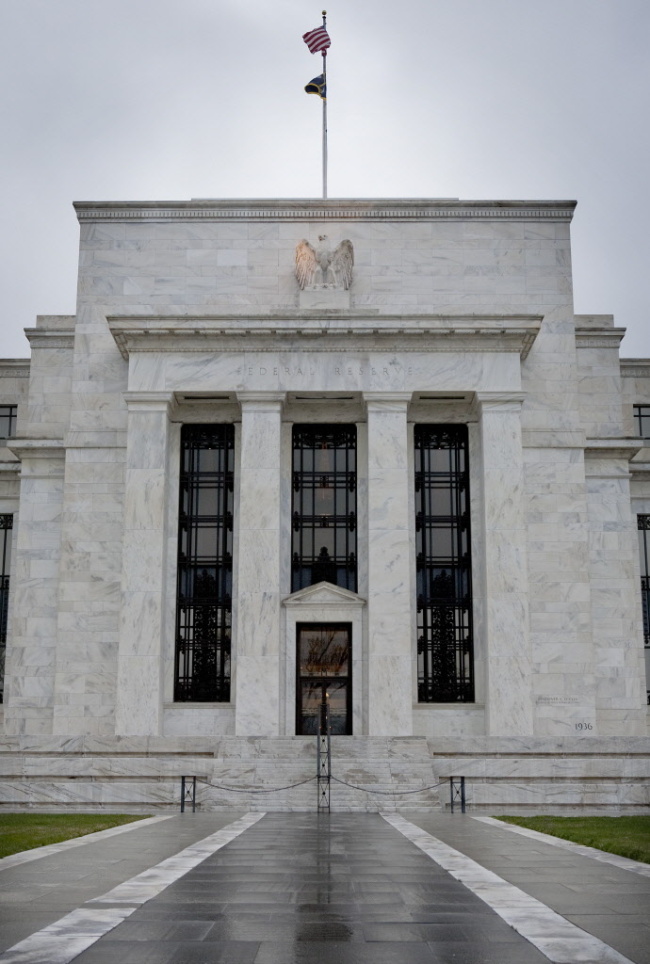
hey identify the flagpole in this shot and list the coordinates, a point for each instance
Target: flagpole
(325, 113)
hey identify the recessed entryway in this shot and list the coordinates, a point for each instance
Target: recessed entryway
(324, 674)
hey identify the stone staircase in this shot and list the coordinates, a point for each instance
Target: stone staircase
(502, 774)
(248, 772)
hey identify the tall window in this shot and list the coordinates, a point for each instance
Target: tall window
(204, 602)
(444, 594)
(642, 420)
(6, 526)
(324, 512)
(7, 422)
(643, 524)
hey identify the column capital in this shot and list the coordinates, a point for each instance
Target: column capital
(149, 401)
(499, 401)
(262, 401)
(36, 448)
(387, 401)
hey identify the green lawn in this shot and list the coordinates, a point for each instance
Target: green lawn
(625, 836)
(24, 831)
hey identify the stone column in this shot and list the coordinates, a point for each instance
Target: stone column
(139, 673)
(257, 642)
(509, 709)
(34, 581)
(391, 596)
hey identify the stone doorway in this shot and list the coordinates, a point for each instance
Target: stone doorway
(324, 671)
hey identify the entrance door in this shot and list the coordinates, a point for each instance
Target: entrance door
(324, 673)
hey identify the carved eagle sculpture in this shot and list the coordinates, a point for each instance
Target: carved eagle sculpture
(322, 266)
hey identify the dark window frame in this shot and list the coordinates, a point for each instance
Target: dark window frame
(6, 536)
(643, 526)
(324, 470)
(202, 663)
(8, 415)
(445, 647)
(642, 420)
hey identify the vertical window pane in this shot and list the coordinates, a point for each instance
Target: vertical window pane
(444, 596)
(642, 420)
(6, 527)
(204, 594)
(643, 524)
(7, 421)
(324, 511)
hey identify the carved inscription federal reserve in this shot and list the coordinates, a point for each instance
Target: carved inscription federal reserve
(309, 369)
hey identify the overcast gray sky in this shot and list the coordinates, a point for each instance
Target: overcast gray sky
(173, 99)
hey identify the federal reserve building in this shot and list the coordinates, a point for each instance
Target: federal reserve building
(359, 455)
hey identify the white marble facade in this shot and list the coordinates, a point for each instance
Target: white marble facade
(458, 312)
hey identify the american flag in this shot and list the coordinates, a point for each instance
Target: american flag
(317, 40)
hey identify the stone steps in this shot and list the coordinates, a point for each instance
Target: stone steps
(503, 774)
(392, 767)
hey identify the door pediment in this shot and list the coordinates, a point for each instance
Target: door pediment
(324, 594)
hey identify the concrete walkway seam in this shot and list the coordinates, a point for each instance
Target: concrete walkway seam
(623, 863)
(67, 938)
(554, 936)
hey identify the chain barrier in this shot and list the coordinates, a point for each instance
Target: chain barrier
(455, 789)
(389, 793)
(215, 786)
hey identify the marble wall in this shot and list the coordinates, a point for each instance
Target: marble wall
(459, 311)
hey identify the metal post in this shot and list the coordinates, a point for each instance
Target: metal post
(325, 113)
(457, 792)
(324, 756)
(188, 793)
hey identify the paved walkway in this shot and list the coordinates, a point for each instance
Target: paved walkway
(235, 888)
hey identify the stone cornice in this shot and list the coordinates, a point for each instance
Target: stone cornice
(635, 367)
(325, 332)
(599, 338)
(50, 338)
(640, 470)
(14, 367)
(340, 209)
(613, 448)
(36, 448)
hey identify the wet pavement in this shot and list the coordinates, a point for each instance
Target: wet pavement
(289, 888)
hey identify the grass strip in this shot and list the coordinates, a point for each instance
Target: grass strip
(625, 836)
(24, 831)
